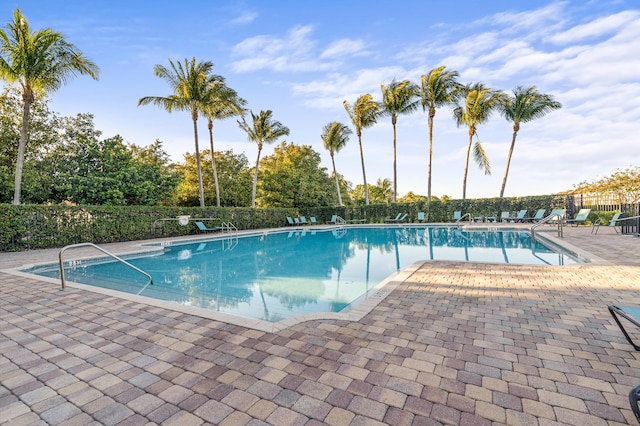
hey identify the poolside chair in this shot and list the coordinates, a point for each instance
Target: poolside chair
(613, 223)
(630, 314)
(303, 220)
(520, 216)
(290, 221)
(505, 217)
(395, 219)
(313, 220)
(457, 215)
(481, 218)
(421, 217)
(558, 215)
(334, 218)
(634, 397)
(538, 216)
(580, 218)
(201, 226)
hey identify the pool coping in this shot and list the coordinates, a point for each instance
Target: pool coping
(355, 311)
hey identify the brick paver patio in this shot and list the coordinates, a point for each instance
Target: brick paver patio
(455, 343)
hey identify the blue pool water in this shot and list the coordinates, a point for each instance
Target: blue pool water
(277, 275)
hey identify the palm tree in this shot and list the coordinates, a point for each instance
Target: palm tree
(334, 137)
(527, 104)
(190, 84)
(398, 98)
(437, 89)
(222, 102)
(264, 129)
(40, 62)
(363, 114)
(479, 104)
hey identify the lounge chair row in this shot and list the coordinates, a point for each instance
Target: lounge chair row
(557, 214)
(301, 220)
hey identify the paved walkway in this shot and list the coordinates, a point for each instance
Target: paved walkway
(455, 343)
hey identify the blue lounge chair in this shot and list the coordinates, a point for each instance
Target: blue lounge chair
(303, 220)
(557, 215)
(457, 215)
(538, 216)
(400, 218)
(313, 220)
(580, 218)
(520, 216)
(505, 217)
(421, 217)
(201, 226)
(630, 314)
(290, 221)
(395, 219)
(334, 218)
(613, 223)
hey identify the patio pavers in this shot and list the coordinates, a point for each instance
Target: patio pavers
(455, 343)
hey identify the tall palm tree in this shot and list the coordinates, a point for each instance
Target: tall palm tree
(363, 114)
(222, 102)
(437, 89)
(399, 97)
(264, 129)
(334, 137)
(526, 104)
(480, 102)
(40, 62)
(190, 83)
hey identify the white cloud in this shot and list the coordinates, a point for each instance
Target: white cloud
(344, 47)
(246, 17)
(597, 28)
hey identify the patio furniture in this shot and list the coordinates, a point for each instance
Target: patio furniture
(580, 218)
(629, 313)
(613, 223)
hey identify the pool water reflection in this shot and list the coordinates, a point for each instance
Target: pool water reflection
(277, 275)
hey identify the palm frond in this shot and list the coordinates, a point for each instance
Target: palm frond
(481, 159)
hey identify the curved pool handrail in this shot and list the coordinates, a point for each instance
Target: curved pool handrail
(545, 220)
(102, 250)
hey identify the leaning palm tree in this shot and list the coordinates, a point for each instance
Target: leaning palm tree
(480, 102)
(398, 98)
(190, 84)
(437, 89)
(40, 62)
(364, 113)
(222, 102)
(334, 137)
(527, 104)
(264, 129)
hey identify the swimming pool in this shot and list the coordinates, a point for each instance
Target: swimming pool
(276, 275)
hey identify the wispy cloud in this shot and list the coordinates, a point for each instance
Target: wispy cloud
(344, 47)
(600, 27)
(246, 17)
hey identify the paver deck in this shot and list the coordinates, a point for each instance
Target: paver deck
(455, 343)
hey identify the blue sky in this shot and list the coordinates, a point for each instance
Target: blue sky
(301, 59)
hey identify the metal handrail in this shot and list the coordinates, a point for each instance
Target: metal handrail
(229, 227)
(340, 220)
(462, 217)
(545, 220)
(102, 250)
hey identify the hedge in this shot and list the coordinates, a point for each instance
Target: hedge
(27, 227)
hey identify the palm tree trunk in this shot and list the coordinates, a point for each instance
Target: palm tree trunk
(335, 174)
(22, 146)
(506, 172)
(255, 179)
(466, 167)
(395, 172)
(213, 164)
(364, 175)
(429, 166)
(194, 115)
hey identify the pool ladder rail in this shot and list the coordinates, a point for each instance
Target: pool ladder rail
(60, 258)
(546, 220)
